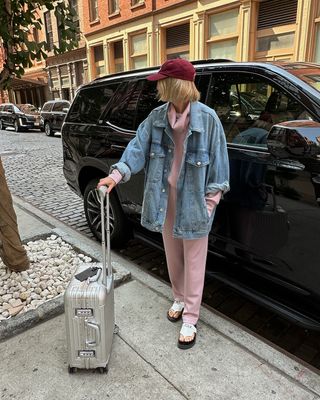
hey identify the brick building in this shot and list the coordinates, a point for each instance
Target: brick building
(127, 34)
(56, 77)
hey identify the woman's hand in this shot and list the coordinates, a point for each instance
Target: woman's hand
(109, 182)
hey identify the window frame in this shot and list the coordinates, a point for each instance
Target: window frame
(132, 55)
(264, 79)
(225, 37)
(113, 7)
(179, 49)
(49, 33)
(93, 10)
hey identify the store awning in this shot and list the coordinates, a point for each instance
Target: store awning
(17, 84)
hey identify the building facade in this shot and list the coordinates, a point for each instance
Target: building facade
(58, 76)
(127, 34)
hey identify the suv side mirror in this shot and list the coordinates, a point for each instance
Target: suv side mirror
(294, 138)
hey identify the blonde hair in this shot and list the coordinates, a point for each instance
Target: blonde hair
(174, 90)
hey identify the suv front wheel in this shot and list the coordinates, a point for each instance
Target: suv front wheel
(119, 233)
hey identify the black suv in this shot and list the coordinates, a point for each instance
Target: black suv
(17, 116)
(52, 115)
(265, 238)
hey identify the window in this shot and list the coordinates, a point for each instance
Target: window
(75, 18)
(132, 103)
(90, 103)
(49, 33)
(248, 106)
(46, 107)
(116, 56)
(35, 35)
(223, 35)
(275, 42)
(178, 42)
(99, 61)
(60, 105)
(113, 6)
(138, 51)
(276, 30)
(93, 10)
(136, 2)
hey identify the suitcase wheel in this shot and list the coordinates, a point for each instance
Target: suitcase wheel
(103, 370)
(72, 370)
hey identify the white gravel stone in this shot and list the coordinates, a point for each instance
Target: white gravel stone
(52, 265)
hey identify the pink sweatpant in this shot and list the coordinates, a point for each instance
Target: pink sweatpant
(186, 260)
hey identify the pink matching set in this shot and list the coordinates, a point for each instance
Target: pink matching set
(186, 259)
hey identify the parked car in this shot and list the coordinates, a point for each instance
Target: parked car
(52, 115)
(19, 116)
(265, 238)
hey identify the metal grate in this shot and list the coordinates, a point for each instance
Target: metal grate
(277, 12)
(178, 36)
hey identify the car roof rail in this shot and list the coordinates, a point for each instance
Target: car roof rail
(211, 60)
(195, 62)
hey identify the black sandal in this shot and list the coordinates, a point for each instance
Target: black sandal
(177, 307)
(187, 330)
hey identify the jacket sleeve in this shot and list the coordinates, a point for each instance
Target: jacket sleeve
(218, 171)
(136, 153)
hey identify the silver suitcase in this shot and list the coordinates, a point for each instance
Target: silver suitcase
(89, 308)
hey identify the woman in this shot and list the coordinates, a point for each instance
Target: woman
(181, 145)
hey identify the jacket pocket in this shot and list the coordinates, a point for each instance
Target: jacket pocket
(155, 163)
(196, 168)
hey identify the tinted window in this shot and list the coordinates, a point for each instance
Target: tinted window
(59, 106)
(248, 106)
(90, 103)
(8, 108)
(1, 108)
(132, 103)
(46, 107)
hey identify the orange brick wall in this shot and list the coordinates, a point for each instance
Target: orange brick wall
(161, 4)
(126, 13)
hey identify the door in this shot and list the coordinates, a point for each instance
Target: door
(58, 114)
(270, 219)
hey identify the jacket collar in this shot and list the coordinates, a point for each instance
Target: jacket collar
(196, 122)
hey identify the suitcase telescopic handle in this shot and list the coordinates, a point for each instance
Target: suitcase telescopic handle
(105, 195)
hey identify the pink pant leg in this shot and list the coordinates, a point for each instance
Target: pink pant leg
(195, 256)
(174, 250)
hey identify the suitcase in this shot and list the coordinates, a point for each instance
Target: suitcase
(89, 308)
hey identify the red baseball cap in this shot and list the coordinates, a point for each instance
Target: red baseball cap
(176, 68)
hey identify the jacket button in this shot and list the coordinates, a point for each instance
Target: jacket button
(169, 150)
(152, 154)
(163, 190)
(161, 209)
(199, 163)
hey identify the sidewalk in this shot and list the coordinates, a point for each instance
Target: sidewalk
(227, 362)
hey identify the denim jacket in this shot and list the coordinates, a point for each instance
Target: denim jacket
(205, 169)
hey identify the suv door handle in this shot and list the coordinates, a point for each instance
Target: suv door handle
(116, 147)
(290, 164)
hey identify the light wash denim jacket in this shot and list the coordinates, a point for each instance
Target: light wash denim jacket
(205, 169)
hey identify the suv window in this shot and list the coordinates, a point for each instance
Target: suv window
(248, 106)
(1, 108)
(60, 105)
(132, 103)
(90, 103)
(46, 107)
(8, 108)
